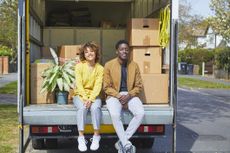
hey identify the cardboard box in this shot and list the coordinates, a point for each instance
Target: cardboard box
(143, 32)
(36, 85)
(68, 52)
(149, 59)
(40, 98)
(155, 89)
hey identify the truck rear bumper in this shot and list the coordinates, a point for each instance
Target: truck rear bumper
(53, 114)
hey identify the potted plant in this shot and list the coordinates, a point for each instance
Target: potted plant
(59, 78)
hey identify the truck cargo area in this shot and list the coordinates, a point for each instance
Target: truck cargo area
(53, 114)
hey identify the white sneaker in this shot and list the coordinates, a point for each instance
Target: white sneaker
(82, 144)
(121, 149)
(130, 149)
(95, 142)
(118, 145)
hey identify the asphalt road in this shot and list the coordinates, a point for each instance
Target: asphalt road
(203, 125)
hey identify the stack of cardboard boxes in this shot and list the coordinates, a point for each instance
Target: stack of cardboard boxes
(146, 52)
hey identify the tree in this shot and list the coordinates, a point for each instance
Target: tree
(187, 24)
(222, 59)
(221, 21)
(8, 23)
(196, 56)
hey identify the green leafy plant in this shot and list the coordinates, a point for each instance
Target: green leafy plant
(222, 59)
(59, 77)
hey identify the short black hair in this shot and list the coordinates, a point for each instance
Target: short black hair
(121, 42)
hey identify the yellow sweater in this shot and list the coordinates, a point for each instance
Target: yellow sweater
(88, 83)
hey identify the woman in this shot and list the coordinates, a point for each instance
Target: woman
(89, 75)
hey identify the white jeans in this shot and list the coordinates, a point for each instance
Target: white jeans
(135, 106)
(82, 111)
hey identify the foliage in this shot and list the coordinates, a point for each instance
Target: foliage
(195, 56)
(222, 58)
(8, 23)
(60, 77)
(221, 21)
(195, 83)
(6, 51)
(10, 88)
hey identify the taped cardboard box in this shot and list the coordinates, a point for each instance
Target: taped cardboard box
(149, 59)
(143, 32)
(68, 52)
(36, 84)
(155, 89)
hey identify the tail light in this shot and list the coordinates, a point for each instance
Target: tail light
(156, 129)
(44, 129)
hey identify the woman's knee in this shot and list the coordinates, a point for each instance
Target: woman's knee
(95, 109)
(96, 106)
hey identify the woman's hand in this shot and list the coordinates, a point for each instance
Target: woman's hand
(88, 104)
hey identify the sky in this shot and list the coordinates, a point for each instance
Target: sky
(200, 7)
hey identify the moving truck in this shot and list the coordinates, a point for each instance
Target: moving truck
(54, 23)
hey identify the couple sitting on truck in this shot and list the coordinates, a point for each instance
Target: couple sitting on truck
(121, 82)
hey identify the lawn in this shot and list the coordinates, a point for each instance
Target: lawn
(10, 88)
(195, 83)
(9, 131)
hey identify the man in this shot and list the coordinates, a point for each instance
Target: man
(122, 84)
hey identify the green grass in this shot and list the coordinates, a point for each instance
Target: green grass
(195, 83)
(9, 128)
(10, 88)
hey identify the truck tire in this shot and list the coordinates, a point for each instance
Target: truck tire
(145, 143)
(51, 143)
(38, 143)
(108, 145)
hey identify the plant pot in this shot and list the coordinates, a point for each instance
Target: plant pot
(62, 97)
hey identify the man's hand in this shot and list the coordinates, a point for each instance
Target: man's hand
(88, 104)
(124, 99)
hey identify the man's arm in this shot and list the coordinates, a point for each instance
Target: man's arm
(138, 84)
(107, 83)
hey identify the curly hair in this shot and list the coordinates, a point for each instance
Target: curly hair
(93, 45)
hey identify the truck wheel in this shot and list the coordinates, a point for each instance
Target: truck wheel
(51, 143)
(108, 145)
(143, 142)
(38, 143)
